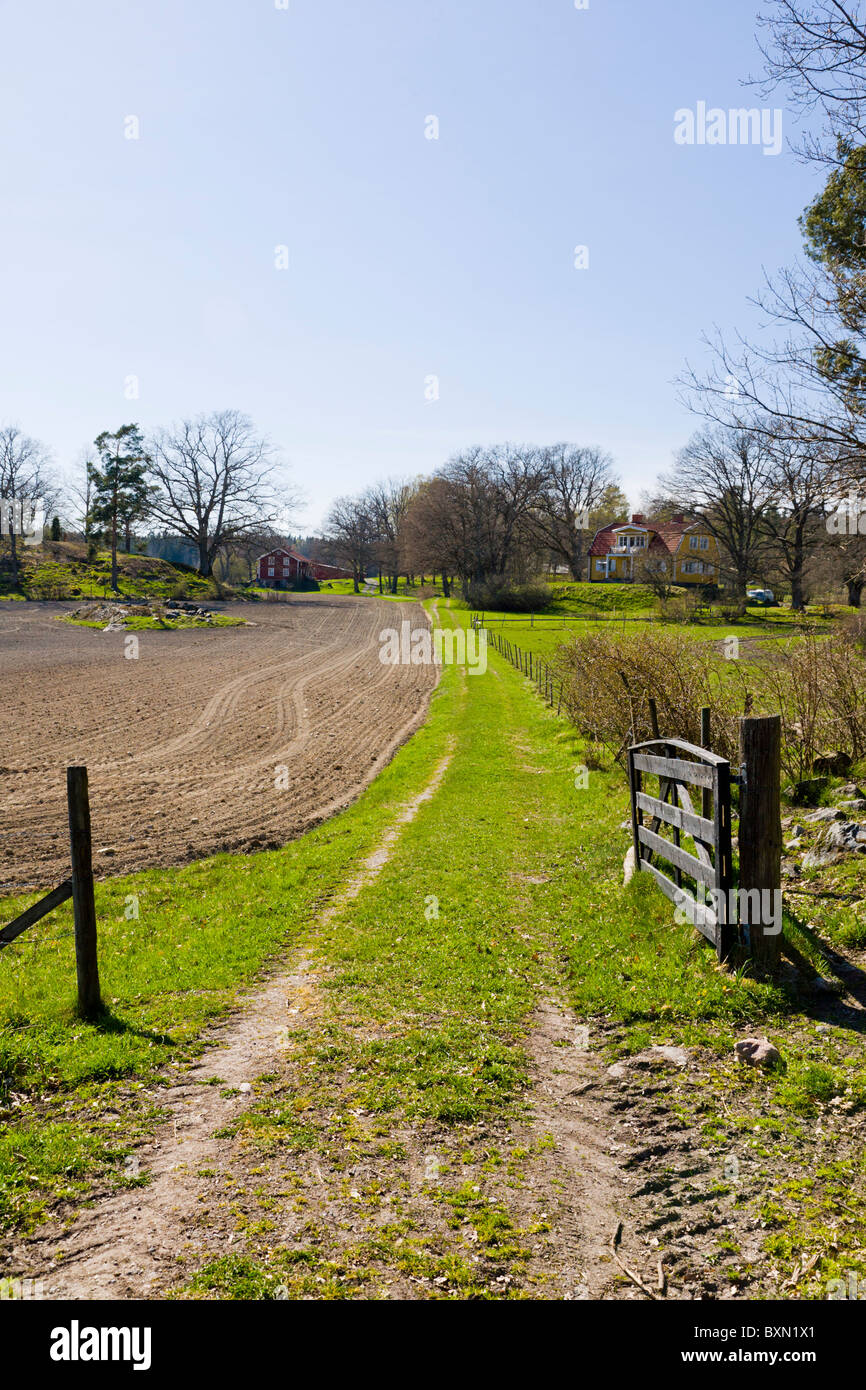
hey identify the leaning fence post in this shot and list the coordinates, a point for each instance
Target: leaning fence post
(760, 838)
(86, 963)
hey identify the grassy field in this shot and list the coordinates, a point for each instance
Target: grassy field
(506, 885)
(542, 638)
(61, 570)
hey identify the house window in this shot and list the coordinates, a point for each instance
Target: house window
(271, 571)
(599, 566)
(699, 542)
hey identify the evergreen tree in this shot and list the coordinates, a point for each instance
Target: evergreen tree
(121, 492)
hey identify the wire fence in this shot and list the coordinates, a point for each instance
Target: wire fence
(550, 622)
(535, 668)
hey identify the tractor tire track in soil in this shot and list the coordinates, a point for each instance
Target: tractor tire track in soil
(183, 745)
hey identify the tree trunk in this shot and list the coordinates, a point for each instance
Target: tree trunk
(13, 542)
(114, 552)
(798, 597)
(204, 560)
(446, 586)
(855, 590)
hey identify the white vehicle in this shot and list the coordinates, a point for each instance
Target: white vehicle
(761, 596)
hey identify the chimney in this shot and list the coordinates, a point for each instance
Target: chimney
(679, 519)
(637, 519)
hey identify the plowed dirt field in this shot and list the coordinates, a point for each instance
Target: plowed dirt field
(228, 739)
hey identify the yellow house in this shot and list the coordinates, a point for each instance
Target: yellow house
(683, 550)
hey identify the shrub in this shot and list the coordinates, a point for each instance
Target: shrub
(673, 610)
(608, 679)
(502, 595)
(816, 684)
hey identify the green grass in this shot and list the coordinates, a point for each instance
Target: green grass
(451, 992)
(61, 570)
(142, 624)
(507, 885)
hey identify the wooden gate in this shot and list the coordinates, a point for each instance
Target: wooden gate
(707, 828)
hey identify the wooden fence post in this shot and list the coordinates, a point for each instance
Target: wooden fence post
(86, 963)
(760, 838)
(706, 794)
(654, 716)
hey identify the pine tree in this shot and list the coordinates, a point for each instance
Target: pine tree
(121, 492)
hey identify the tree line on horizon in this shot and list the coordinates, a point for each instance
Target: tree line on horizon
(778, 458)
(490, 520)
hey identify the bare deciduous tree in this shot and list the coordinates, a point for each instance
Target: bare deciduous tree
(574, 481)
(723, 478)
(386, 505)
(816, 49)
(217, 480)
(25, 477)
(349, 527)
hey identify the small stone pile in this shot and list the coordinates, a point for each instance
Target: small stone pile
(114, 615)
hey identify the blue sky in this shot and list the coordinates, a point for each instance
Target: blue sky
(408, 258)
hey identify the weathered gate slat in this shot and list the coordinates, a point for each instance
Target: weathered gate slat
(686, 803)
(680, 858)
(684, 820)
(704, 917)
(697, 774)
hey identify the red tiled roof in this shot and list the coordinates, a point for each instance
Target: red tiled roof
(281, 550)
(665, 537)
(672, 532)
(603, 539)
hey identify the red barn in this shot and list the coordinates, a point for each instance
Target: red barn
(330, 572)
(282, 567)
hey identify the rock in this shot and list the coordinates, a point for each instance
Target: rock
(821, 985)
(832, 764)
(109, 849)
(656, 1056)
(827, 813)
(244, 1087)
(758, 1052)
(806, 793)
(858, 804)
(628, 868)
(838, 840)
(679, 1056)
(849, 789)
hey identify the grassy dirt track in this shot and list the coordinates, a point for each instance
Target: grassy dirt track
(440, 1080)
